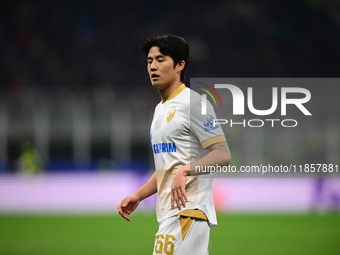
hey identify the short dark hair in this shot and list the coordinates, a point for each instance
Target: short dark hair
(169, 45)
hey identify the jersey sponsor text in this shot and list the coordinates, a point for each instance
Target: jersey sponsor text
(164, 147)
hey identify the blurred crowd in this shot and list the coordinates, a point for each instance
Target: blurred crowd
(58, 49)
(79, 46)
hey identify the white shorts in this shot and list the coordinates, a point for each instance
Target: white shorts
(180, 235)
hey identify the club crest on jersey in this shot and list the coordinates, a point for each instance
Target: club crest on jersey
(210, 125)
(171, 113)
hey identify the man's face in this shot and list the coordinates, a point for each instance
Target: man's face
(161, 69)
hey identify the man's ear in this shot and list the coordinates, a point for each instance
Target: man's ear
(180, 65)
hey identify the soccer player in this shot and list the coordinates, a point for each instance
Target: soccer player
(180, 142)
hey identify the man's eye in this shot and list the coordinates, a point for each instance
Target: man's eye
(160, 60)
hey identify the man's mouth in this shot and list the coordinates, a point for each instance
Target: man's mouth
(154, 76)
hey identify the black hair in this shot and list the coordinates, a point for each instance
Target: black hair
(169, 45)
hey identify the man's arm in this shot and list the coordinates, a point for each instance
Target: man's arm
(219, 154)
(130, 203)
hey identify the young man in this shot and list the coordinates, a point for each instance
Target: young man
(185, 208)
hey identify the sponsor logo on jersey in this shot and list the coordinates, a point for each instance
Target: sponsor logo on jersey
(210, 125)
(164, 148)
(171, 113)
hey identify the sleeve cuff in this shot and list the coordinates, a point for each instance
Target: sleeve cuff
(213, 140)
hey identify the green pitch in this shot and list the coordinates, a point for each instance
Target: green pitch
(106, 234)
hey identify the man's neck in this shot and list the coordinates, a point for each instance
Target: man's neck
(166, 93)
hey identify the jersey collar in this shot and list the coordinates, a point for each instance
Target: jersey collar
(176, 92)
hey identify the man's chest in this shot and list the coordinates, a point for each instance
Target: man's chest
(169, 122)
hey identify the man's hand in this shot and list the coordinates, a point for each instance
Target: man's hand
(128, 205)
(178, 193)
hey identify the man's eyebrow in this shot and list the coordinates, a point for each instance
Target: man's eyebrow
(158, 56)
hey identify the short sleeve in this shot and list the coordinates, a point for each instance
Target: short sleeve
(203, 126)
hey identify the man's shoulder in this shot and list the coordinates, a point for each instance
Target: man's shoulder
(157, 107)
(190, 97)
(195, 98)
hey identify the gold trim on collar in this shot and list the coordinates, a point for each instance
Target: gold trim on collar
(176, 92)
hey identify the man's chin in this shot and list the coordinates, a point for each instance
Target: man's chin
(156, 84)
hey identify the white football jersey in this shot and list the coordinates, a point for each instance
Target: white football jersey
(179, 135)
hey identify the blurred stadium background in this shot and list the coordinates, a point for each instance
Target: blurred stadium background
(76, 105)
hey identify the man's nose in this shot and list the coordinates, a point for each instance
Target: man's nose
(153, 66)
